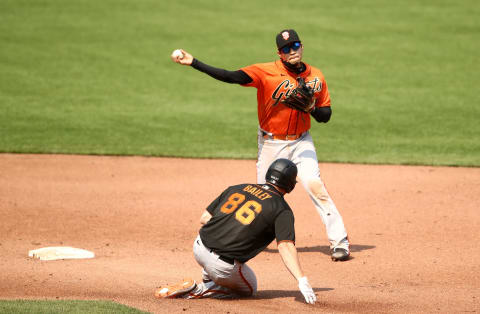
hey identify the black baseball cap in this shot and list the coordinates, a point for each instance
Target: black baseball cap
(286, 37)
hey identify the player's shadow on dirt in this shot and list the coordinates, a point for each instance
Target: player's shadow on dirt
(325, 249)
(275, 294)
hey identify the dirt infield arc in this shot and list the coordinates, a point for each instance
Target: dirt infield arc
(414, 234)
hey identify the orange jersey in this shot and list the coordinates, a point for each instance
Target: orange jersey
(274, 82)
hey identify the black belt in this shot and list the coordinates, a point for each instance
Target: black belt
(228, 260)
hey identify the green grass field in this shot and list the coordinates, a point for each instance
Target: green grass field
(72, 307)
(94, 77)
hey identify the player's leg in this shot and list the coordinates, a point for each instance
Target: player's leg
(305, 157)
(241, 282)
(209, 289)
(188, 288)
(221, 279)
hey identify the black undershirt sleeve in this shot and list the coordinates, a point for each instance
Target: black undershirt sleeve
(234, 77)
(322, 114)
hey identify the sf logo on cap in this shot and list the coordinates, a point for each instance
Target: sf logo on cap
(285, 35)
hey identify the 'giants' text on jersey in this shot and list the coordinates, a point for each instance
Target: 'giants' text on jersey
(286, 87)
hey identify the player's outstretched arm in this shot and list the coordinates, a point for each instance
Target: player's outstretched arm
(180, 56)
(289, 255)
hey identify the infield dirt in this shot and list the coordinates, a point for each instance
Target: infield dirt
(414, 234)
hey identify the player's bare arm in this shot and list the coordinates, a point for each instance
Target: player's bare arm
(205, 217)
(289, 255)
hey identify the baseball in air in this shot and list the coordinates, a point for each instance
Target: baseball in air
(177, 54)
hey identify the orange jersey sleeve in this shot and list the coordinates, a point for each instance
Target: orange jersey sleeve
(274, 82)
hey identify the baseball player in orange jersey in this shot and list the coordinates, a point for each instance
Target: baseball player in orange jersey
(284, 132)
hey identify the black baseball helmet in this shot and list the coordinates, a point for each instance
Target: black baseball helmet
(282, 173)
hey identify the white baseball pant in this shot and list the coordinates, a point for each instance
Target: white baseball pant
(302, 152)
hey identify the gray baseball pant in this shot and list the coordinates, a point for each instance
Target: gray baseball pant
(221, 279)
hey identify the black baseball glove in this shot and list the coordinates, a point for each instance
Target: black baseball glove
(301, 98)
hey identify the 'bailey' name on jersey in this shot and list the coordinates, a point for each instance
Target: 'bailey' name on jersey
(257, 192)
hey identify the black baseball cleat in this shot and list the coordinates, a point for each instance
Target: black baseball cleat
(340, 254)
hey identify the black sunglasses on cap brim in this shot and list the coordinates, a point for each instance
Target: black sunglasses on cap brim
(293, 46)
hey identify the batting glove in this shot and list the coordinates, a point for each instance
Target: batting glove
(306, 290)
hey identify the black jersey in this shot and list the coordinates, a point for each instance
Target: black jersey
(246, 218)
